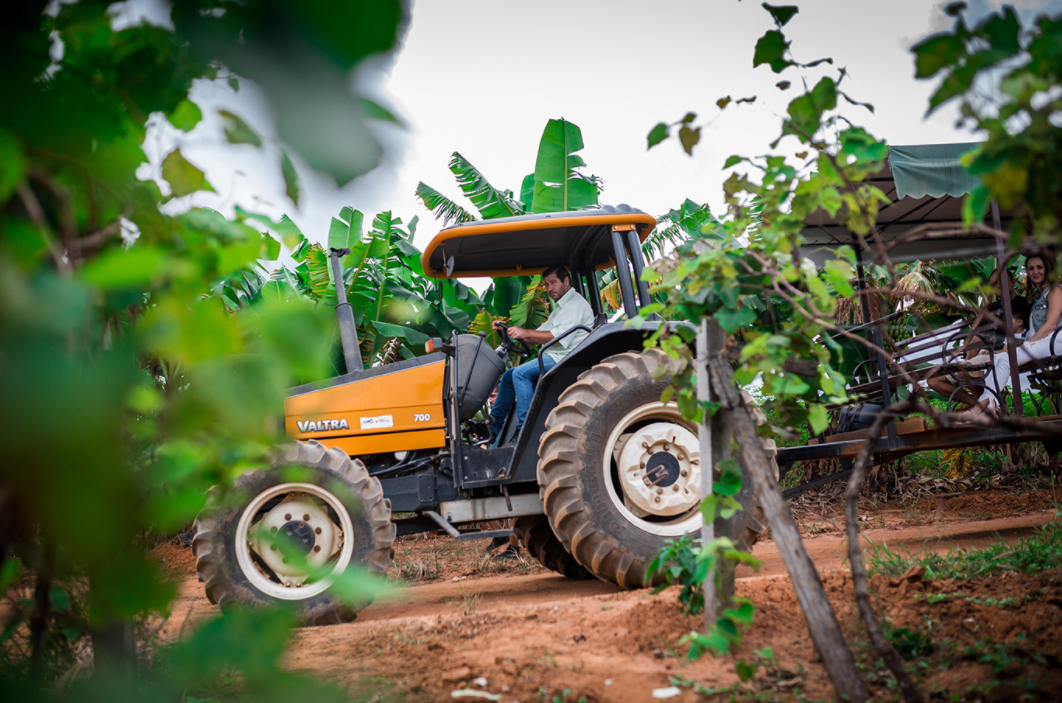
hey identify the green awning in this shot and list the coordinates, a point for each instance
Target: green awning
(931, 169)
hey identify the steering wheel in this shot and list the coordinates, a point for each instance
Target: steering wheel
(516, 346)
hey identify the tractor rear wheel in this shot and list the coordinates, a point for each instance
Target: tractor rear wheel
(327, 507)
(621, 471)
(538, 539)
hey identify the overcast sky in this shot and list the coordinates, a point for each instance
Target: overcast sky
(482, 77)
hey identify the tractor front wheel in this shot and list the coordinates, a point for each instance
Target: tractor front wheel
(292, 530)
(620, 471)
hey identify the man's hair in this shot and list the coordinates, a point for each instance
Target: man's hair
(558, 271)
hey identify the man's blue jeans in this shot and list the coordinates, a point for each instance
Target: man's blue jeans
(517, 383)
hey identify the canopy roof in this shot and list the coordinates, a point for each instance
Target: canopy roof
(924, 183)
(529, 244)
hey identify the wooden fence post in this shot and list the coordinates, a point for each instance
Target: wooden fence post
(818, 613)
(704, 435)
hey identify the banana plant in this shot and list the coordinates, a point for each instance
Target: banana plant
(556, 185)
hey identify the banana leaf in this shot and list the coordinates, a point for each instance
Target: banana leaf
(491, 202)
(442, 207)
(559, 187)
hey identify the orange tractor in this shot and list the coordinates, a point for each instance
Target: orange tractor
(601, 475)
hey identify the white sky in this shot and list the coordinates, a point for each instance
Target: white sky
(482, 77)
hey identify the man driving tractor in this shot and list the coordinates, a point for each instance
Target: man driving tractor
(571, 309)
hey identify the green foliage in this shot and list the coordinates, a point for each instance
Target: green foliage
(909, 644)
(148, 351)
(685, 561)
(559, 184)
(1037, 553)
(1006, 78)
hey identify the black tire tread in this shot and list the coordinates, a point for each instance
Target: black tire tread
(538, 539)
(209, 544)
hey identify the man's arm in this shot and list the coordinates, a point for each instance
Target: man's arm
(531, 336)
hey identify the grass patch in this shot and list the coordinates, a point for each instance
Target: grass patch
(1041, 551)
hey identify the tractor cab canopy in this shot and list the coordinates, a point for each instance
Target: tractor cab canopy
(583, 241)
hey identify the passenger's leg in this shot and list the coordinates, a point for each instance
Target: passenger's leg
(945, 388)
(503, 403)
(525, 376)
(999, 378)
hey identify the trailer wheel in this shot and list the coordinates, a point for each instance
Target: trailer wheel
(319, 498)
(538, 539)
(621, 471)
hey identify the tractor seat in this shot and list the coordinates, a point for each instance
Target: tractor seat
(600, 319)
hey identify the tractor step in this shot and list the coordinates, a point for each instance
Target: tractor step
(456, 534)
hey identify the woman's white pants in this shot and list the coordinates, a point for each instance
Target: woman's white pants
(1000, 379)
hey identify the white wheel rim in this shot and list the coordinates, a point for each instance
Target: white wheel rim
(300, 500)
(675, 525)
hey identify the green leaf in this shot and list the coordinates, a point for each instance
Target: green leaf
(770, 49)
(806, 111)
(689, 138)
(781, 13)
(936, 53)
(289, 233)
(657, 134)
(270, 248)
(558, 186)
(123, 268)
(345, 231)
(975, 205)
(857, 142)
(729, 481)
(745, 670)
(376, 111)
(13, 164)
(442, 207)
(527, 192)
(183, 177)
(235, 256)
(234, 83)
(818, 417)
(491, 202)
(733, 320)
(185, 116)
(237, 131)
(401, 332)
(733, 161)
(291, 178)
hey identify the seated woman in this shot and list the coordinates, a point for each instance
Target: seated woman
(1046, 316)
(958, 382)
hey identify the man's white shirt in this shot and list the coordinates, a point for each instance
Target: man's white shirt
(571, 310)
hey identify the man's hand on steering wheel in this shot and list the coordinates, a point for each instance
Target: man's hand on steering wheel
(517, 346)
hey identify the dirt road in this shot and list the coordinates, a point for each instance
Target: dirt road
(535, 635)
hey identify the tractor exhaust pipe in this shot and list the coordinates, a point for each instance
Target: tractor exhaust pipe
(348, 331)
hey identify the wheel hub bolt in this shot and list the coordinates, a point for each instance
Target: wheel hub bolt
(659, 490)
(674, 487)
(317, 530)
(681, 456)
(643, 465)
(273, 529)
(306, 517)
(657, 499)
(647, 481)
(316, 547)
(288, 516)
(684, 473)
(667, 447)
